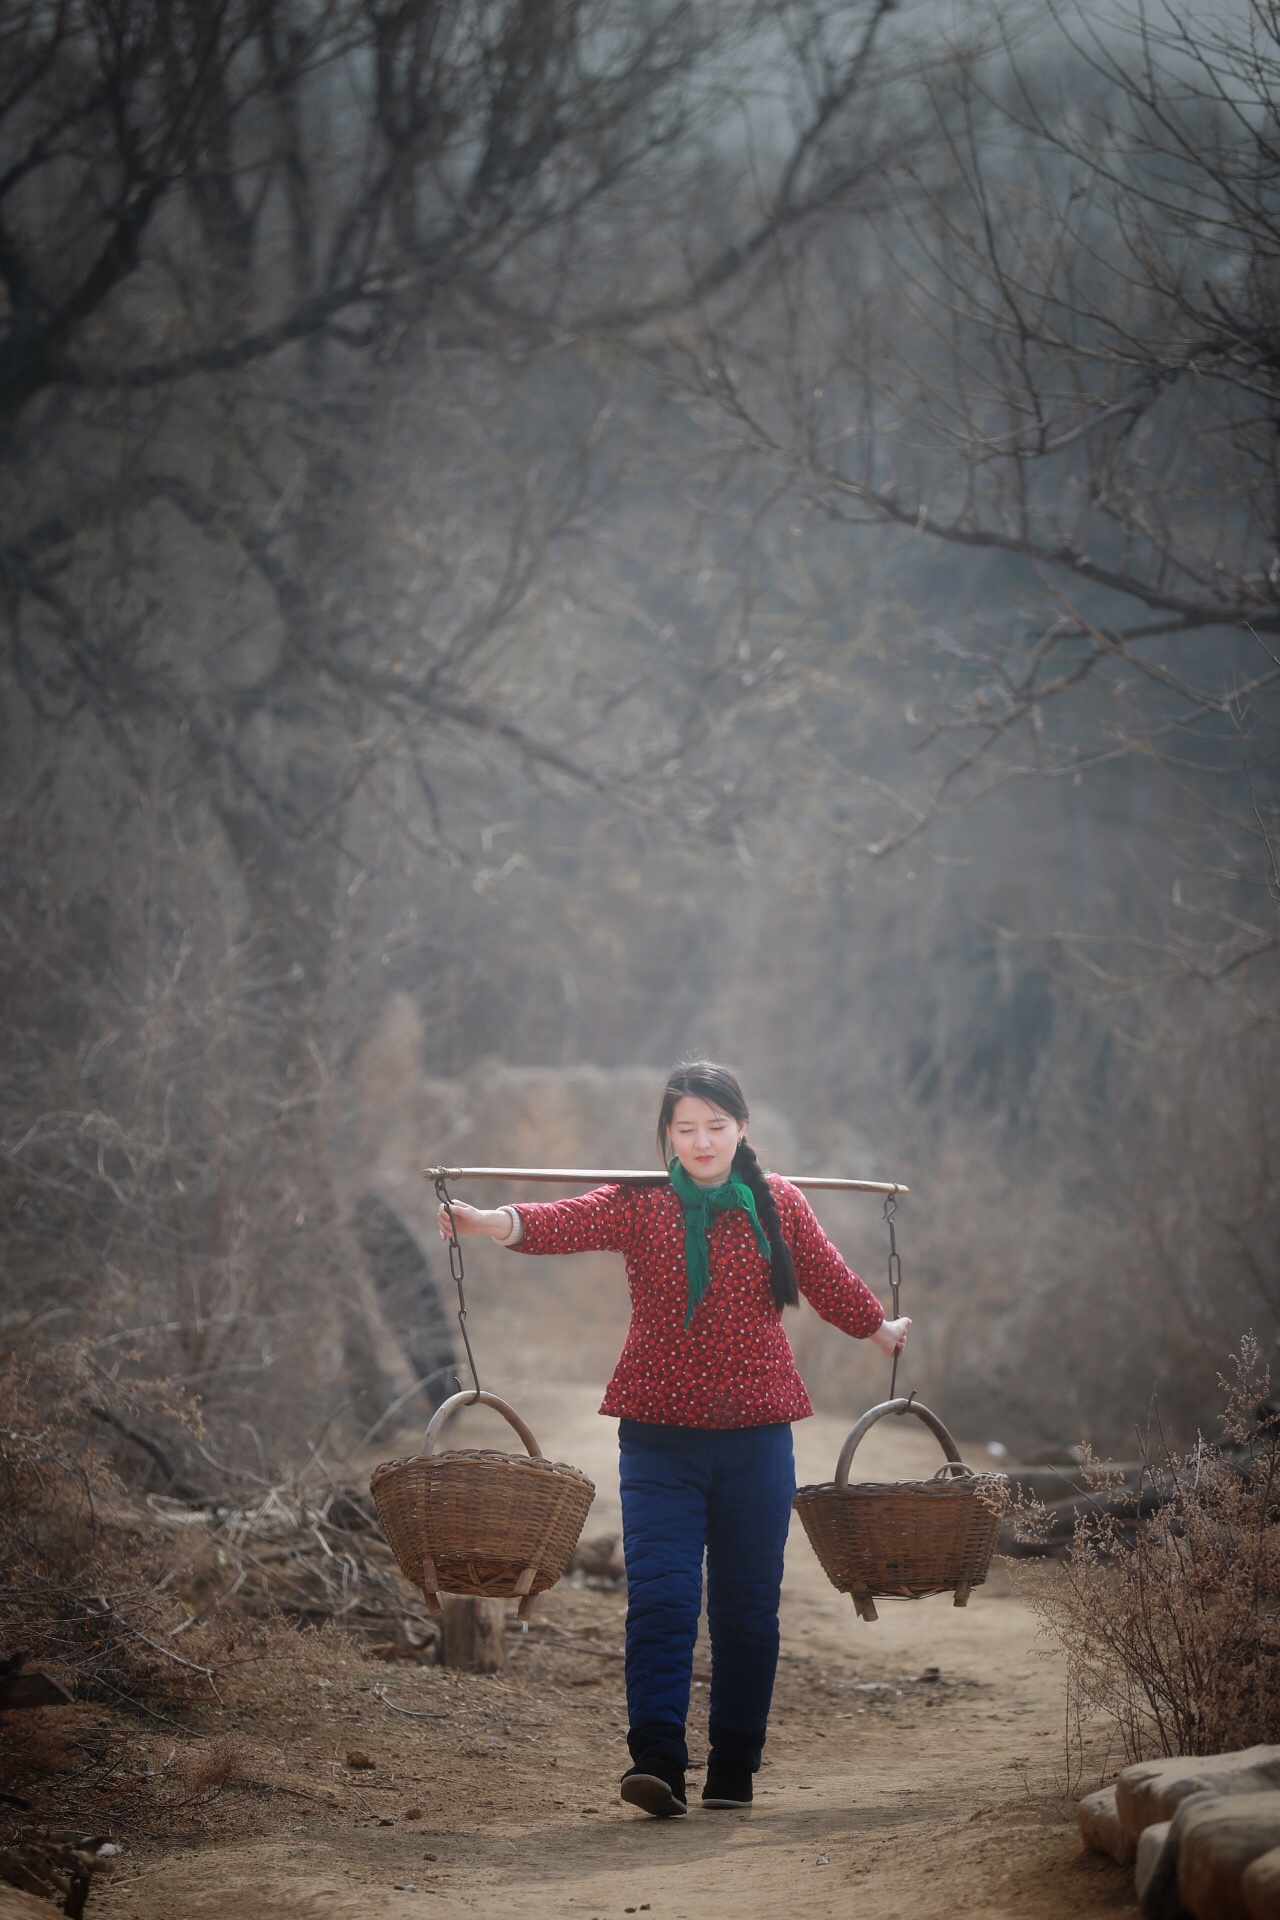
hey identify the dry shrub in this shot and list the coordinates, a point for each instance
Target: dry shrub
(1171, 1625)
(79, 1566)
(206, 1769)
(42, 1743)
(103, 1590)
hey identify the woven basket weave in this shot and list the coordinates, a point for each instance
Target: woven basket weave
(908, 1538)
(501, 1525)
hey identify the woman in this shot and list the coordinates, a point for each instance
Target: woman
(705, 1391)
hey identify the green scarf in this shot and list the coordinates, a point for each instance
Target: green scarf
(700, 1204)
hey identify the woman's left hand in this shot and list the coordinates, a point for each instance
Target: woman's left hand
(891, 1335)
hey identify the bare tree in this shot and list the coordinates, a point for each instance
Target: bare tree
(219, 225)
(305, 384)
(1055, 362)
(229, 238)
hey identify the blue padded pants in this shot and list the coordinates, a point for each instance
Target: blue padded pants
(686, 1491)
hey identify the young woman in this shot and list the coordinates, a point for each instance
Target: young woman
(705, 1391)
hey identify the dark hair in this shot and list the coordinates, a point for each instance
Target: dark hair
(720, 1087)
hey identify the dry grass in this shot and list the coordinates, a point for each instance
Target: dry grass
(147, 1598)
(214, 1765)
(80, 1573)
(185, 1632)
(1171, 1628)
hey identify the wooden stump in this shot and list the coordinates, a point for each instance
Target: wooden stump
(473, 1637)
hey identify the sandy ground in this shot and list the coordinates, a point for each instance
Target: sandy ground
(916, 1767)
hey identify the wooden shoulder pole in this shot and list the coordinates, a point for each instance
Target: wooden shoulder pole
(633, 1176)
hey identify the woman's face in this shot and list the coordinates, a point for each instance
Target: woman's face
(704, 1139)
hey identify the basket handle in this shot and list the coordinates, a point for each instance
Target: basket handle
(909, 1405)
(469, 1399)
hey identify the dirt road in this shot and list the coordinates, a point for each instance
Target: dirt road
(915, 1767)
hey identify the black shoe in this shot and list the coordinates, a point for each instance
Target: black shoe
(727, 1787)
(656, 1785)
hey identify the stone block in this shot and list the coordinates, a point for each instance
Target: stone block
(1220, 1837)
(1152, 1790)
(1151, 1848)
(1156, 1870)
(15, 1905)
(1260, 1886)
(1100, 1829)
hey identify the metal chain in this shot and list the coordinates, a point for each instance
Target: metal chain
(455, 1268)
(895, 1278)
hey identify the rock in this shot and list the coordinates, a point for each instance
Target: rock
(1219, 1839)
(1156, 1872)
(600, 1558)
(1152, 1790)
(23, 1906)
(1151, 1845)
(1100, 1829)
(1260, 1886)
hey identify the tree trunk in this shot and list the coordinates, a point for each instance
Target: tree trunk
(474, 1634)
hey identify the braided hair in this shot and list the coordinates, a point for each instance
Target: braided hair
(719, 1087)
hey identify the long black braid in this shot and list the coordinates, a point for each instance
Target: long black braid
(782, 1268)
(721, 1088)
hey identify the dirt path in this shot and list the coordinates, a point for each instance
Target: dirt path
(915, 1768)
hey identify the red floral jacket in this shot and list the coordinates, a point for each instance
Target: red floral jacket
(734, 1366)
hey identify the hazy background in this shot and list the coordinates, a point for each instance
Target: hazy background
(541, 540)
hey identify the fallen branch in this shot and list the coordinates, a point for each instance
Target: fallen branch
(544, 1634)
(210, 1606)
(410, 1713)
(297, 1793)
(151, 1712)
(579, 1646)
(182, 1488)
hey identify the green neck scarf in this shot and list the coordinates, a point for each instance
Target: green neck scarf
(700, 1205)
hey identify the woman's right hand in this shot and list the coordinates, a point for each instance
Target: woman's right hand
(493, 1221)
(891, 1335)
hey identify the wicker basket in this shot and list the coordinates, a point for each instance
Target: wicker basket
(497, 1524)
(909, 1538)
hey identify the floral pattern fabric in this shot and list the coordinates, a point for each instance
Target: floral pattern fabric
(733, 1367)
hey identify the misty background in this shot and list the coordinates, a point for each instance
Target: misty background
(545, 538)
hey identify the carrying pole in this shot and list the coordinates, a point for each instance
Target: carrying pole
(631, 1176)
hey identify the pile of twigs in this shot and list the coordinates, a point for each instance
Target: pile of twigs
(307, 1550)
(147, 1598)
